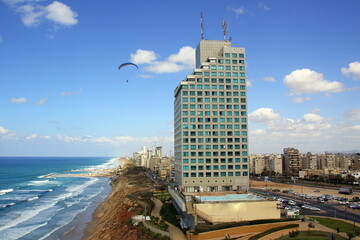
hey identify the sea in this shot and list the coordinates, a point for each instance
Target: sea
(35, 203)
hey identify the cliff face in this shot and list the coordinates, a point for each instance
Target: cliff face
(112, 219)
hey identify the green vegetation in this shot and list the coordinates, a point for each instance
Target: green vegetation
(163, 196)
(310, 235)
(338, 225)
(168, 213)
(207, 228)
(151, 234)
(260, 235)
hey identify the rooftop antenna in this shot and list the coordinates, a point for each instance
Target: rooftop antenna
(224, 26)
(202, 25)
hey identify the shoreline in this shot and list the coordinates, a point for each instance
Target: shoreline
(112, 218)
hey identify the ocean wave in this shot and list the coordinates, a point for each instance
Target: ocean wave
(32, 198)
(2, 206)
(5, 191)
(42, 182)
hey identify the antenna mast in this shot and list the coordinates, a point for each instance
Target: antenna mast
(224, 26)
(202, 26)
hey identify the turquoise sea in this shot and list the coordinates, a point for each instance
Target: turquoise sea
(34, 206)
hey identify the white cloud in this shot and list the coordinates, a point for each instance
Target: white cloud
(3, 130)
(308, 81)
(301, 99)
(269, 79)
(18, 100)
(37, 137)
(145, 76)
(356, 127)
(164, 67)
(42, 102)
(353, 115)
(186, 56)
(239, 11)
(353, 70)
(248, 83)
(143, 56)
(64, 94)
(262, 6)
(259, 132)
(263, 115)
(32, 12)
(312, 132)
(184, 59)
(312, 117)
(61, 13)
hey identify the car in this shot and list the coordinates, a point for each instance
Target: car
(343, 202)
(356, 199)
(320, 200)
(317, 190)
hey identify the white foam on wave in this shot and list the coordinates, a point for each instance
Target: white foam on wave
(42, 182)
(6, 205)
(110, 164)
(32, 199)
(5, 191)
(26, 215)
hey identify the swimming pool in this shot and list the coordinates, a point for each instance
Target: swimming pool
(229, 197)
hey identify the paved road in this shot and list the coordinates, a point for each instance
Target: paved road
(328, 209)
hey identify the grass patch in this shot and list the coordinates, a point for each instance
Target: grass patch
(311, 235)
(337, 224)
(260, 235)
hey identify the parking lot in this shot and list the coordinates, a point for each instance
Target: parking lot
(300, 200)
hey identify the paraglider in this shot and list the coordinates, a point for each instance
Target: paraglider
(127, 64)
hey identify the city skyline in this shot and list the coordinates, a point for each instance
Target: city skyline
(62, 95)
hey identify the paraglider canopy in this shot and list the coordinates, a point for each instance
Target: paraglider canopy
(127, 64)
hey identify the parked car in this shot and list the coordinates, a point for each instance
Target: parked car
(343, 202)
(321, 200)
(317, 190)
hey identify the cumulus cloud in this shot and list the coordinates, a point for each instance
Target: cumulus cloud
(3, 130)
(42, 102)
(263, 115)
(353, 115)
(18, 100)
(269, 79)
(33, 12)
(312, 117)
(306, 81)
(143, 56)
(353, 70)
(184, 59)
(312, 132)
(301, 99)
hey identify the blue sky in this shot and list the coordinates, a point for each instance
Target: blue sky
(62, 95)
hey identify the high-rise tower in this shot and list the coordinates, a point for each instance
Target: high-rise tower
(210, 118)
